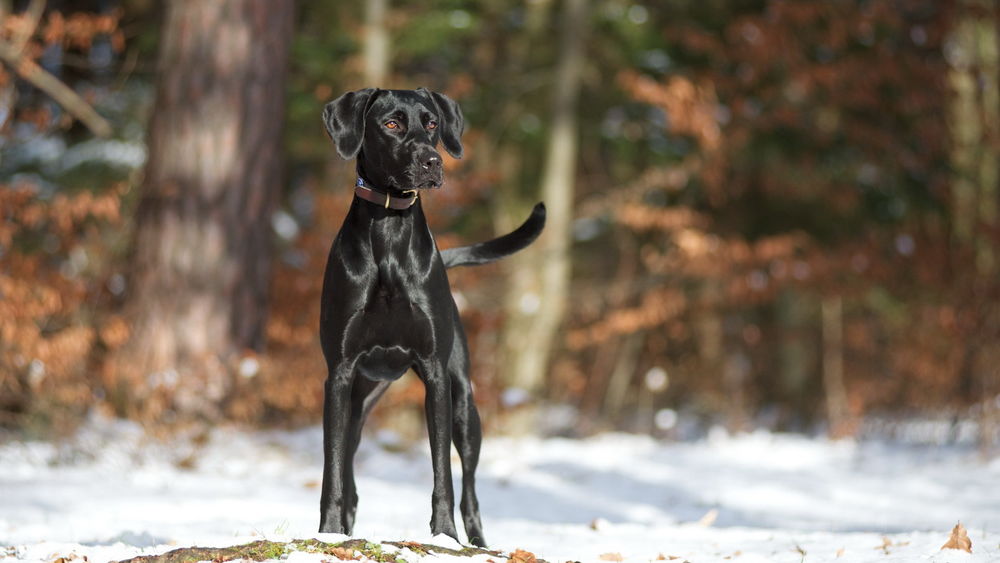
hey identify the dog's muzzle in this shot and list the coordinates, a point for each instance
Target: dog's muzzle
(427, 170)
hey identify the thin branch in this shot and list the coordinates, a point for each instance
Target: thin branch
(55, 88)
(670, 178)
(33, 15)
(12, 53)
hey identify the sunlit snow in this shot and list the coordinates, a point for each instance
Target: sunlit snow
(113, 493)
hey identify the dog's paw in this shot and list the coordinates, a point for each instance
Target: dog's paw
(333, 526)
(476, 539)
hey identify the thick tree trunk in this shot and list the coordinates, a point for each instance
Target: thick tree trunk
(542, 288)
(201, 266)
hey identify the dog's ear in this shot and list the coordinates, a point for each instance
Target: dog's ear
(345, 121)
(451, 122)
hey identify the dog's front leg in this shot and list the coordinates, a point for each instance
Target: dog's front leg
(336, 444)
(437, 405)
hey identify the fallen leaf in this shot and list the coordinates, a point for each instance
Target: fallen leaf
(886, 544)
(344, 554)
(959, 539)
(660, 557)
(709, 518)
(612, 557)
(522, 556)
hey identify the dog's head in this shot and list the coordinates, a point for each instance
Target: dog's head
(393, 133)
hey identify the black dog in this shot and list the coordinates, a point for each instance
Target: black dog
(387, 305)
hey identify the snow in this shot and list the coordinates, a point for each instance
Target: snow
(113, 493)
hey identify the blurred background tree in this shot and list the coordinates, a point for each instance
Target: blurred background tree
(200, 265)
(764, 213)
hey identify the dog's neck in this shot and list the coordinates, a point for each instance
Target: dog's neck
(385, 234)
(385, 198)
(365, 180)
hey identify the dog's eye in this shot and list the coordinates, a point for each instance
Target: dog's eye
(432, 124)
(391, 125)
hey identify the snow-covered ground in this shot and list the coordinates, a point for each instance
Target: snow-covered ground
(113, 493)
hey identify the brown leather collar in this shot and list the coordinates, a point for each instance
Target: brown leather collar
(385, 200)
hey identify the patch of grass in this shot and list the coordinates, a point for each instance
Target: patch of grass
(256, 551)
(415, 547)
(374, 551)
(310, 545)
(263, 550)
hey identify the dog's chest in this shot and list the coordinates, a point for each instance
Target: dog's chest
(391, 295)
(385, 286)
(395, 310)
(391, 330)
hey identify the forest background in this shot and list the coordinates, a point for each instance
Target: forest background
(762, 214)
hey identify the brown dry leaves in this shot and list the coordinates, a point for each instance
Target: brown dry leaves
(522, 556)
(47, 325)
(669, 219)
(959, 539)
(657, 307)
(79, 29)
(69, 558)
(75, 31)
(691, 106)
(345, 554)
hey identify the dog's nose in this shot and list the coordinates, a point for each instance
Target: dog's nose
(431, 161)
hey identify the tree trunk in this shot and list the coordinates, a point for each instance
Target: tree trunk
(975, 126)
(622, 375)
(531, 327)
(376, 45)
(797, 358)
(198, 290)
(837, 411)
(975, 140)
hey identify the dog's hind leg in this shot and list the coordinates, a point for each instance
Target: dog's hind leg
(336, 442)
(364, 394)
(437, 407)
(468, 436)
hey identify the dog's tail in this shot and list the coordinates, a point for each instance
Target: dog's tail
(492, 250)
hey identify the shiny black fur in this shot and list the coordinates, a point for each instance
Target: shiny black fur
(387, 305)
